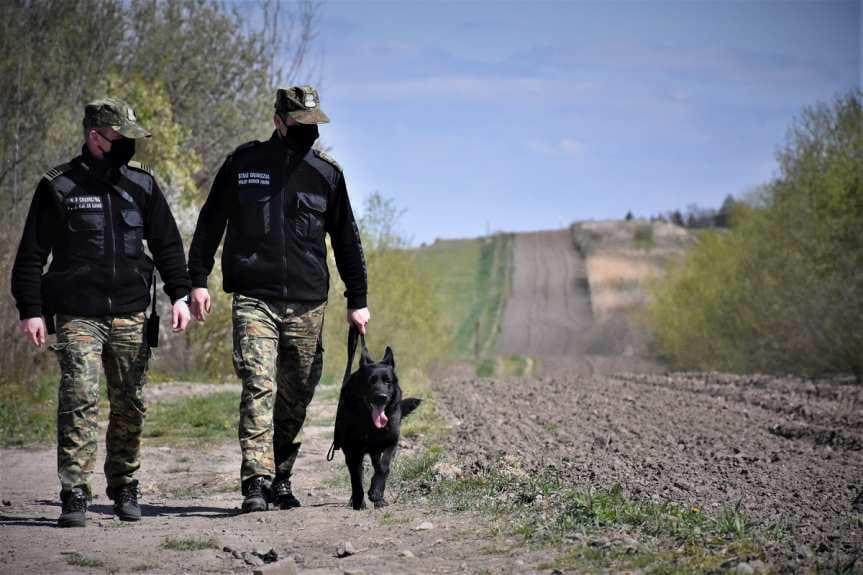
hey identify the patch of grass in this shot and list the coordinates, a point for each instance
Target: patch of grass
(417, 468)
(657, 558)
(143, 568)
(506, 366)
(77, 560)
(214, 416)
(473, 278)
(28, 413)
(189, 543)
(545, 509)
(642, 237)
(486, 367)
(327, 393)
(390, 518)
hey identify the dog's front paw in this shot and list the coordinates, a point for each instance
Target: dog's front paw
(381, 503)
(357, 503)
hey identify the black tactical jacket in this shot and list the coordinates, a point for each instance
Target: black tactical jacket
(278, 200)
(92, 219)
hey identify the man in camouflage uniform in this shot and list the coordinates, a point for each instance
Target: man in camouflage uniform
(278, 199)
(91, 216)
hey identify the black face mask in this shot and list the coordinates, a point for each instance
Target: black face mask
(301, 136)
(121, 152)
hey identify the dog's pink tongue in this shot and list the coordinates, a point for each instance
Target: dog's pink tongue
(379, 418)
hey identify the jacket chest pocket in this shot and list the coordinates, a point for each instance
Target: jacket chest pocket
(87, 230)
(310, 217)
(133, 233)
(255, 212)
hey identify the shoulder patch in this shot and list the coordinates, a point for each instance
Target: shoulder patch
(325, 157)
(57, 171)
(139, 166)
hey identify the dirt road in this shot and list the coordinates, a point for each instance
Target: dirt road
(548, 312)
(191, 493)
(548, 315)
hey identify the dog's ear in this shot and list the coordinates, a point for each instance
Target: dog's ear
(365, 358)
(388, 358)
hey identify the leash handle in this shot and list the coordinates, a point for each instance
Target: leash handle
(353, 332)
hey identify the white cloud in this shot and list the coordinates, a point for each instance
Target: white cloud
(571, 147)
(565, 147)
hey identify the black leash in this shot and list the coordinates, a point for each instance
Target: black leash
(353, 334)
(153, 320)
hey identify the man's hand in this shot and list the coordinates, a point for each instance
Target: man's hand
(200, 303)
(359, 317)
(33, 329)
(180, 316)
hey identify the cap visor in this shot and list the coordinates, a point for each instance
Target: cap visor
(309, 116)
(132, 130)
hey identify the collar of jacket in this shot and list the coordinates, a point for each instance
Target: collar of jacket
(99, 168)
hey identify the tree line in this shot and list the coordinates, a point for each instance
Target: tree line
(782, 290)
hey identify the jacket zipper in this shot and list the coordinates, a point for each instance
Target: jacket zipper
(110, 227)
(284, 239)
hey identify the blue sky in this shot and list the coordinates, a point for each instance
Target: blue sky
(484, 116)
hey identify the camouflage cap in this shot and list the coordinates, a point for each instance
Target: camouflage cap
(300, 103)
(114, 113)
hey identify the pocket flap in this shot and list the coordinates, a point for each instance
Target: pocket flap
(133, 218)
(251, 196)
(314, 202)
(83, 221)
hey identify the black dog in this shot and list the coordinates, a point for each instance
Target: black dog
(368, 420)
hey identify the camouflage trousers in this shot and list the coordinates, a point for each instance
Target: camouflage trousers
(83, 344)
(277, 347)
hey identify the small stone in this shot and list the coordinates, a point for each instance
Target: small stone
(407, 554)
(7, 503)
(236, 554)
(284, 567)
(344, 549)
(424, 526)
(744, 568)
(444, 470)
(253, 560)
(805, 551)
(270, 556)
(353, 572)
(758, 566)
(438, 542)
(227, 549)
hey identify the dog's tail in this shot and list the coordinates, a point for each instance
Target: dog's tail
(409, 404)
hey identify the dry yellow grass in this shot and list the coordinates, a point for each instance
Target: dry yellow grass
(617, 281)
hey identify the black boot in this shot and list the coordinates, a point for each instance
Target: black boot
(256, 491)
(125, 498)
(282, 495)
(74, 509)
